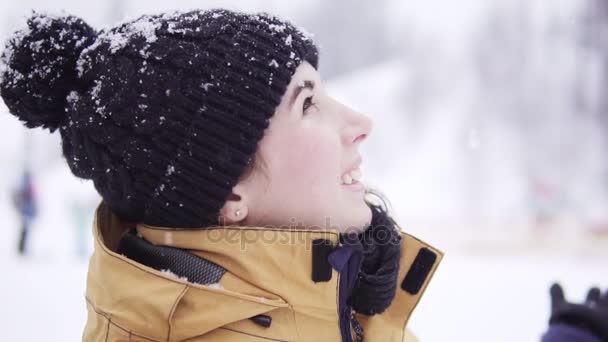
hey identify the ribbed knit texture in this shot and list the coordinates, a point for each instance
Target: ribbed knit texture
(377, 281)
(163, 112)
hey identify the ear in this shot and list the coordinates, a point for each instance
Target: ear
(235, 208)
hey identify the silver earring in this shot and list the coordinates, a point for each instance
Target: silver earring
(238, 212)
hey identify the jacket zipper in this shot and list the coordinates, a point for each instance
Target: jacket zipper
(356, 327)
(346, 259)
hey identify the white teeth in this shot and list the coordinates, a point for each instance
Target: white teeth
(347, 179)
(351, 177)
(356, 174)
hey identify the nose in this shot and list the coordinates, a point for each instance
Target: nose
(357, 126)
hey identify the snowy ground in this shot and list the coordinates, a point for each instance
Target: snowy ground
(502, 296)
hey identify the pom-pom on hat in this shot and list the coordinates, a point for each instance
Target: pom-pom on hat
(164, 112)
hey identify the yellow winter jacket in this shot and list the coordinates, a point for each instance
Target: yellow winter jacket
(268, 271)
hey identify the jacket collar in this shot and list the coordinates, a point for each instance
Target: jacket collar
(267, 268)
(275, 260)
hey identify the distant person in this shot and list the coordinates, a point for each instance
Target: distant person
(24, 200)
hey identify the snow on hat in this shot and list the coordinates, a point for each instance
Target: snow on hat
(163, 112)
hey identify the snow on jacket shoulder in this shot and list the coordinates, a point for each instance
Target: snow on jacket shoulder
(267, 272)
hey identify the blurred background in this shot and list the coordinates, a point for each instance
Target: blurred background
(490, 140)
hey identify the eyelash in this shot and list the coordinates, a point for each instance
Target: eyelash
(307, 104)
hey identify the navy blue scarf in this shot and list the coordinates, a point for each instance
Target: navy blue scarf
(368, 264)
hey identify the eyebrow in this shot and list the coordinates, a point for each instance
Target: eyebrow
(306, 84)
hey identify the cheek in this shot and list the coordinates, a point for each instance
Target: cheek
(309, 161)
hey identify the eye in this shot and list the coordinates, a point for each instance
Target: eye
(307, 104)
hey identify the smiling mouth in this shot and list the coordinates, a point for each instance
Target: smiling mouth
(351, 177)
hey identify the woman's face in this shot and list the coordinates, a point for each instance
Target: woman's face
(308, 155)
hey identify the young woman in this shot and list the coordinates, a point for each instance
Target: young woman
(232, 203)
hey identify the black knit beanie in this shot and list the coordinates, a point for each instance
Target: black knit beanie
(164, 112)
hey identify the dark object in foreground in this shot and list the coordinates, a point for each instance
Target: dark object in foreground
(587, 321)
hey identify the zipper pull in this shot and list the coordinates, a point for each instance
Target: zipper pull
(356, 327)
(263, 320)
